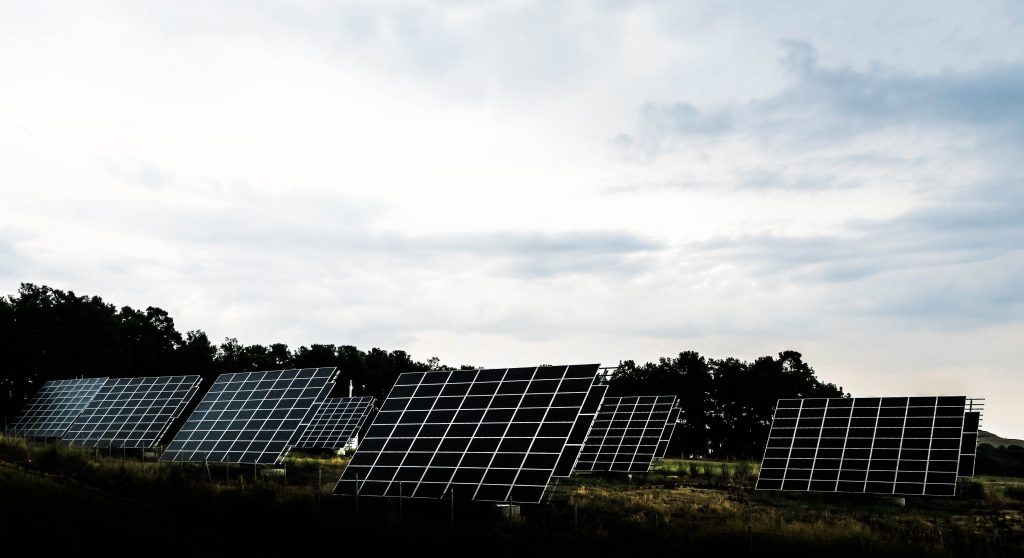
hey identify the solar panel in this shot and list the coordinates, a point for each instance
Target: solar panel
(132, 412)
(888, 445)
(336, 423)
(490, 435)
(626, 434)
(251, 417)
(54, 407)
(969, 444)
(580, 430)
(670, 428)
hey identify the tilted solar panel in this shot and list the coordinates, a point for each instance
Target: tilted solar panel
(889, 445)
(491, 435)
(336, 423)
(251, 417)
(580, 430)
(670, 428)
(626, 434)
(132, 412)
(969, 444)
(54, 407)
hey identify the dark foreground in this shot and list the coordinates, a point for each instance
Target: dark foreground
(64, 499)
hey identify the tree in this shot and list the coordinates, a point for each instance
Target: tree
(196, 354)
(150, 341)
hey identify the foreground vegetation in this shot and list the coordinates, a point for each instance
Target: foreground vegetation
(60, 497)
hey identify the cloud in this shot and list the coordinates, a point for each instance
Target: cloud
(522, 254)
(951, 264)
(823, 106)
(13, 262)
(140, 173)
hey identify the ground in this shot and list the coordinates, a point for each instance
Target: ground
(76, 499)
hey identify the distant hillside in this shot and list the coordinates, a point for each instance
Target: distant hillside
(994, 440)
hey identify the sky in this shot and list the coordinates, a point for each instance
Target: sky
(516, 183)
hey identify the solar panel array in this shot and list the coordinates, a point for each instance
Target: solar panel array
(54, 407)
(336, 423)
(889, 445)
(490, 435)
(251, 417)
(132, 412)
(670, 428)
(627, 433)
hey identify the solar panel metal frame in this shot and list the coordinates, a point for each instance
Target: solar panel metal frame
(969, 444)
(54, 407)
(231, 425)
(132, 412)
(580, 430)
(670, 429)
(627, 434)
(336, 423)
(881, 445)
(488, 435)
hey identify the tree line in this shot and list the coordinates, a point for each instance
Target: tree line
(48, 334)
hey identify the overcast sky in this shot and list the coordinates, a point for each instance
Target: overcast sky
(519, 183)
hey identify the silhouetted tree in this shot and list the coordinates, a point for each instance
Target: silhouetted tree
(197, 354)
(48, 334)
(150, 341)
(726, 405)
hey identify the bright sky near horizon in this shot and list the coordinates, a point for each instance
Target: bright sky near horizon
(515, 183)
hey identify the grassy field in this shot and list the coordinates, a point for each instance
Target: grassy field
(70, 498)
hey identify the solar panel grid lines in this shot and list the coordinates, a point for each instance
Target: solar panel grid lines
(599, 434)
(132, 412)
(617, 462)
(581, 429)
(670, 428)
(628, 434)
(969, 444)
(336, 423)
(644, 435)
(491, 434)
(251, 417)
(871, 450)
(931, 438)
(56, 405)
(892, 445)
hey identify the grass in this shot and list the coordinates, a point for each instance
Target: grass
(681, 506)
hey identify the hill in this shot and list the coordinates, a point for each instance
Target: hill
(996, 441)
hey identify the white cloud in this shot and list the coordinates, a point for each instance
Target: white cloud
(512, 183)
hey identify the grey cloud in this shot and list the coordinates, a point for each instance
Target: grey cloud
(824, 105)
(539, 255)
(13, 261)
(307, 229)
(9, 259)
(787, 178)
(957, 260)
(522, 254)
(881, 96)
(140, 173)
(684, 119)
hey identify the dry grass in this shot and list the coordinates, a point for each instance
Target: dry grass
(680, 506)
